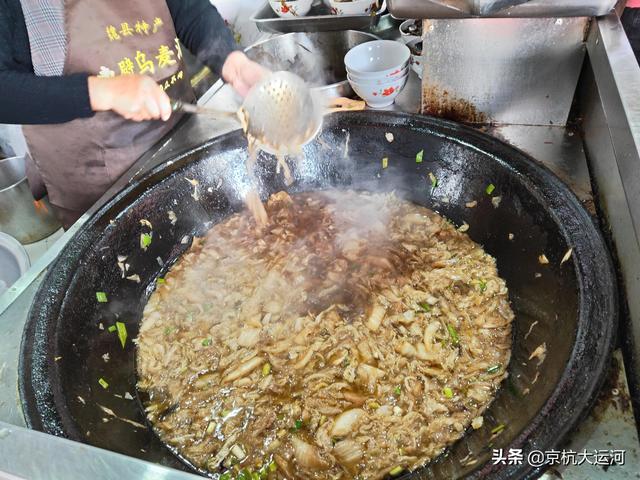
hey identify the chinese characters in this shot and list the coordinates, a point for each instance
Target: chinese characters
(140, 27)
(538, 458)
(144, 61)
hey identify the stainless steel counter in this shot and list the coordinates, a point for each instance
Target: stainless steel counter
(33, 455)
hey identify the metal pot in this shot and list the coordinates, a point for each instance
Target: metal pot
(21, 216)
(316, 57)
(568, 306)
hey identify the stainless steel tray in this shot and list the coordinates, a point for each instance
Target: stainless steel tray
(319, 19)
(499, 8)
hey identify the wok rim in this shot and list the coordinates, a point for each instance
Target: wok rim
(568, 403)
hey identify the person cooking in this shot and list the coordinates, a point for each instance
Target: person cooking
(91, 81)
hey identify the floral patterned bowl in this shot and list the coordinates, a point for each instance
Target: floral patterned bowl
(291, 8)
(379, 96)
(354, 7)
(380, 80)
(377, 59)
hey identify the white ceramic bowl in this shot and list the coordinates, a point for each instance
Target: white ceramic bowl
(356, 7)
(291, 8)
(379, 58)
(379, 96)
(405, 34)
(379, 80)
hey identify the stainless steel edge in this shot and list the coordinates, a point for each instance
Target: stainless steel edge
(430, 9)
(611, 111)
(484, 8)
(27, 454)
(318, 20)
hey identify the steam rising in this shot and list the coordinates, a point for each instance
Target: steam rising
(297, 54)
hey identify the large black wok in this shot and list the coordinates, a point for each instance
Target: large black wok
(574, 304)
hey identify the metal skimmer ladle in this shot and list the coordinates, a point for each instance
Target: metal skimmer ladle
(280, 114)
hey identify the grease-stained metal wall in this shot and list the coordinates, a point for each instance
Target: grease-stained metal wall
(502, 70)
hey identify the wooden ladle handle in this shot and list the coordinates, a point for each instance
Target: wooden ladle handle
(342, 104)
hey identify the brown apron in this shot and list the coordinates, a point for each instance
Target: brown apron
(79, 160)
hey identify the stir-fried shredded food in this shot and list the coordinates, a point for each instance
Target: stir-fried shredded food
(355, 336)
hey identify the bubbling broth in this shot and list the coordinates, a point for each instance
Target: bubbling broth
(354, 336)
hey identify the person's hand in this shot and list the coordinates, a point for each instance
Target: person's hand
(135, 97)
(241, 73)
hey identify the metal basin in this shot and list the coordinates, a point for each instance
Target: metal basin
(316, 57)
(21, 216)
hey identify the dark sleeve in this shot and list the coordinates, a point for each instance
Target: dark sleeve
(31, 100)
(203, 31)
(28, 99)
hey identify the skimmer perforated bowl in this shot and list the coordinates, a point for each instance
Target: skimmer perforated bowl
(281, 113)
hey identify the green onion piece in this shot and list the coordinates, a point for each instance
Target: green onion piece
(244, 474)
(425, 306)
(447, 392)
(397, 390)
(482, 284)
(225, 476)
(224, 413)
(433, 179)
(498, 429)
(168, 330)
(266, 369)
(206, 342)
(255, 476)
(395, 471)
(272, 466)
(101, 297)
(419, 156)
(298, 424)
(145, 240)
(112, 329)
(161, 280)
(385, 162)
(490, 188)
(493, 369)
(455, 340)
(122, 332)
(103, 383)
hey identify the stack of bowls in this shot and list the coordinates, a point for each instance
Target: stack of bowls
(378, 71)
